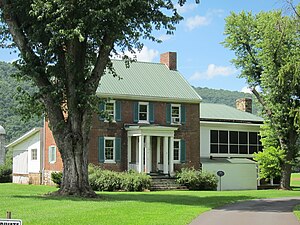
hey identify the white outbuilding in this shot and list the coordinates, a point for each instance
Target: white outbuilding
(27, 157)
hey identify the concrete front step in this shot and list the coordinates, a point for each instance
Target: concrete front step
(165, 183)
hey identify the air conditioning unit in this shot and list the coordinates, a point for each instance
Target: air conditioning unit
(176, 120)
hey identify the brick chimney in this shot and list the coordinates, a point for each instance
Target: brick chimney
(244, 104)
(169, 59)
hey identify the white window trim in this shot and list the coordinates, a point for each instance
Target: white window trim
(114, 150)
(114, 117)
(52, 147)
(176, 118)
(31, 155)
(147, 104)
(179, 152)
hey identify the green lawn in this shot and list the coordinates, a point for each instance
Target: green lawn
(27, 202)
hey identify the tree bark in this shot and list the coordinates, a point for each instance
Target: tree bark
(290, 149)
(73, 147)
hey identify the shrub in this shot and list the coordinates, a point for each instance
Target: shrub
(56, 177)
(197, 180)
(5, 174)
(133, 181)
(106, 180)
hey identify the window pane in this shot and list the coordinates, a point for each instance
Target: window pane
(109, 149)
(110, 109)
(213, 148)
(223, 135)
(143, 112)
(33, 154)
(214, 136)
(243, 137)
(253, 138)
(224, 149)
(175, 111)
(176, 150)
(234, 149)
(234, 137)
(252, 149)
(243, 149)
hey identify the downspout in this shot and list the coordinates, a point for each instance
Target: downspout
(43, 144)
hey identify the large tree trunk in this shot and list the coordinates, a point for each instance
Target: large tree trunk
(75, 168)
(72, 137)
(289, 146)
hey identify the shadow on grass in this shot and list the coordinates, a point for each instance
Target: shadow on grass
(170, 198)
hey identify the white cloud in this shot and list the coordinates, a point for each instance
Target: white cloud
(197, 21)
(213, 71)
(145, 55)
(186, 8)
(165, 37)
(246, 89)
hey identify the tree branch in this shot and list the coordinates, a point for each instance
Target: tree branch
(261, 101)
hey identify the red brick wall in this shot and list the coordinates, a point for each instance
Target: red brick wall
(49, 141)
(190, 132)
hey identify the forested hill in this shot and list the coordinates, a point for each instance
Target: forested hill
(224, 97)
(9, 118)
(14, 127)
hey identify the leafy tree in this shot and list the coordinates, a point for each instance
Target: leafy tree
(267, 50)
(64, 49)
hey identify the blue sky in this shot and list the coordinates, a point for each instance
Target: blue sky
(202, 60)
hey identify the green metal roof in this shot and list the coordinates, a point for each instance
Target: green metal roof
(146, 81)
(210, 111)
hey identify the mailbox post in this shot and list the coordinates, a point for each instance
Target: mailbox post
(220, 173)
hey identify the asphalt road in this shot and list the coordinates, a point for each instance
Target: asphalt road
(277, 211)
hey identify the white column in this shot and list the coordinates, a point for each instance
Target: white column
(128, 152)
(171, 156)
(136, 150)
(158, 151)
(147, 155)
(166, 149)
(141, 154)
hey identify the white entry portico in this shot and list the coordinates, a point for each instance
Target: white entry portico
(142, 153)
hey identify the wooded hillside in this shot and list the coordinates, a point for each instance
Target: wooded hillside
(225, 97)
(15, 127)
(9, 118)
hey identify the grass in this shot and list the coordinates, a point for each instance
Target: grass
(295, 183)
(28, 202)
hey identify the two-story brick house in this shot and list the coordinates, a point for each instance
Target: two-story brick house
(151, 122)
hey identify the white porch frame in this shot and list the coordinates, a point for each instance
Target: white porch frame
(144, 149)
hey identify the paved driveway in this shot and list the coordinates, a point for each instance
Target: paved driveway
(256, 212)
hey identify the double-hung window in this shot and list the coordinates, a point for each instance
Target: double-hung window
(34, 154)
(109, 149)
(175, 114)
(52, 154)
(110, 109)
(143, 112)
(176, 156)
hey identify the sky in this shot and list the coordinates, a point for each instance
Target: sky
(201, 59)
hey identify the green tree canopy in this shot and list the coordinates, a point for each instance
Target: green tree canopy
(64, 49)
(267, 51)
